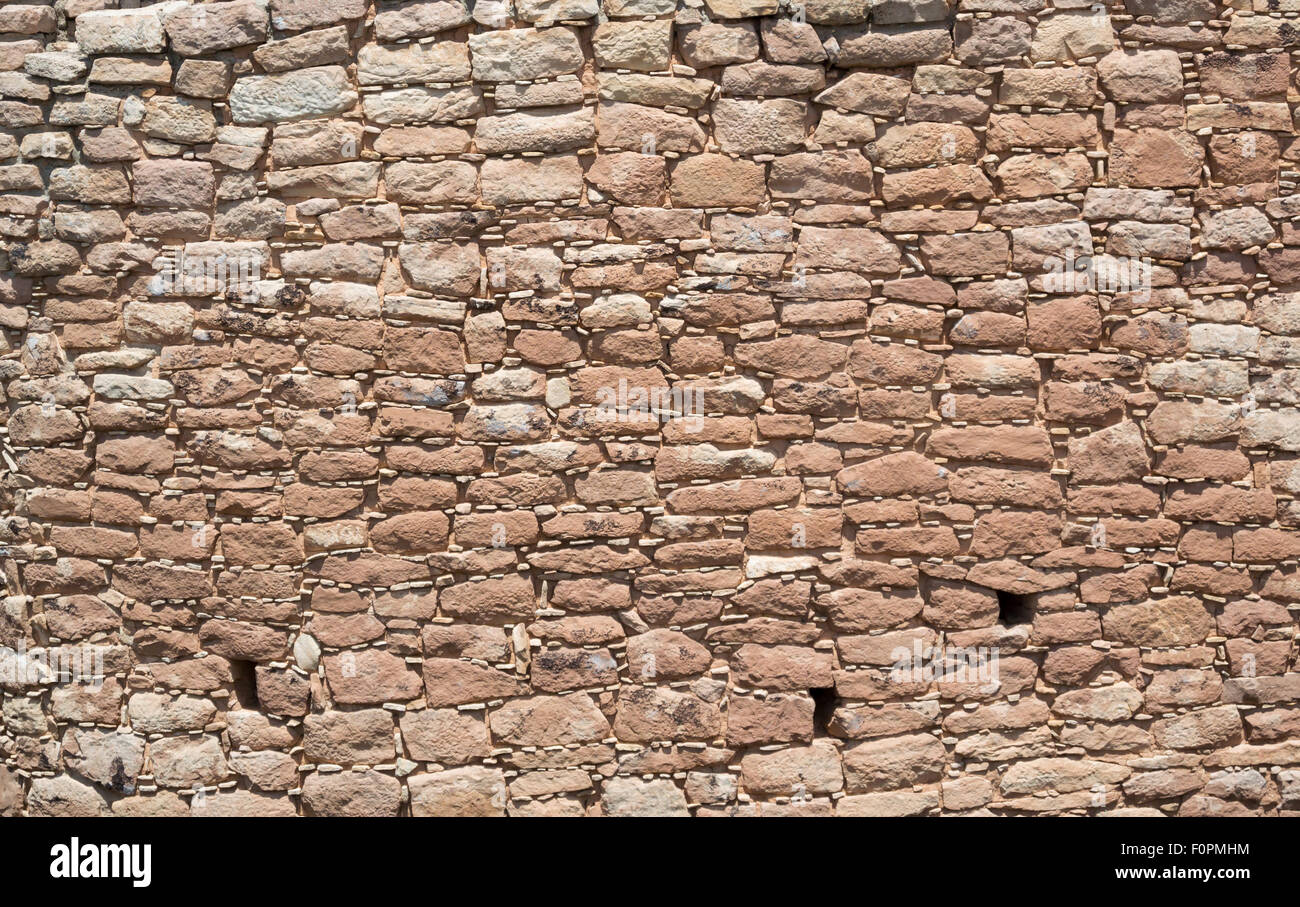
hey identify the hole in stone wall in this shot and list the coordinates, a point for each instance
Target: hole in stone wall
(1014, 609)
(823, 708)
(244, 683)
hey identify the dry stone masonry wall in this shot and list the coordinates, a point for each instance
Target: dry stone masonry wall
(623, 407)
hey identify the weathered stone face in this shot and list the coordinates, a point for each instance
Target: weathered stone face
(319, 91)
(562, 407)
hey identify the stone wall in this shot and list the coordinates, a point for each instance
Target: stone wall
(621, 407)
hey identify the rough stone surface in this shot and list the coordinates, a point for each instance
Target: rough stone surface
(644, 407)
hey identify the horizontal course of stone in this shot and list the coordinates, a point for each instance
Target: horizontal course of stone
(637, 407)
